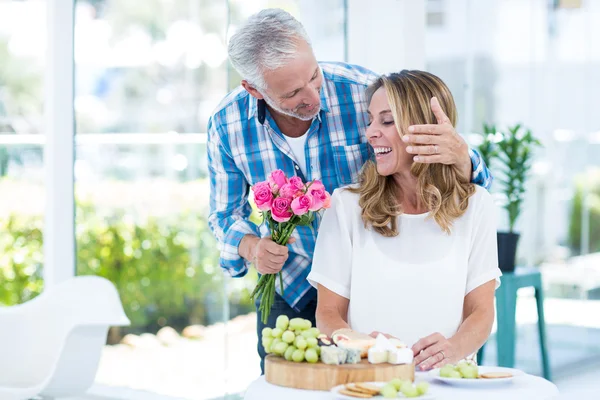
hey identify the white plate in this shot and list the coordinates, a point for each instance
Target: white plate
(335, 391)
(435, 374)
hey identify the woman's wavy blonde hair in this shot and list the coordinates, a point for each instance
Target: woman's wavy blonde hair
(442, 188)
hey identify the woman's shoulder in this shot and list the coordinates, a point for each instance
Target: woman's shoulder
(482, 196)
(347, 195)
(481, 202)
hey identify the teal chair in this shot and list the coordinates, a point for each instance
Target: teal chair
(506, 305)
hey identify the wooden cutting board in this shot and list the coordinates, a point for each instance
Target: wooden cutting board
(321, 376)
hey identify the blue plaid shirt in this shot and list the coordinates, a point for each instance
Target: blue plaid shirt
(242, 151)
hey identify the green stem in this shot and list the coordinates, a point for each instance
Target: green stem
(281, 282)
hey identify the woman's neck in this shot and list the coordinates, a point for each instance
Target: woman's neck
(407, 193)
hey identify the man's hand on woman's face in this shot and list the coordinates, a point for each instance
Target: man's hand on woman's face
(437, 143)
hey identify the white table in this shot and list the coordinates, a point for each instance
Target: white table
(526, 387)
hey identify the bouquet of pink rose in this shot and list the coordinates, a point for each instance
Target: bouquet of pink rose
(285, 204)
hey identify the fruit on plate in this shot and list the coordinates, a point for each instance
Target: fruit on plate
(294, 340)
(422, 387)
(389, 391)
(463, 370)
(407, 388)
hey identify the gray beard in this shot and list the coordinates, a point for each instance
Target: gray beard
(289, 113)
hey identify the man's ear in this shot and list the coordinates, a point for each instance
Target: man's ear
(250, 89)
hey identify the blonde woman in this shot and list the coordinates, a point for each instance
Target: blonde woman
(409, 251)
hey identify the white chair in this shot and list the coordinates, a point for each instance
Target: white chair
(51, 346)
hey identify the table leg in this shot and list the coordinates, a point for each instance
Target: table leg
(506, 334)
(539, 298)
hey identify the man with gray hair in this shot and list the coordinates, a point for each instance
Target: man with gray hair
(307, 119)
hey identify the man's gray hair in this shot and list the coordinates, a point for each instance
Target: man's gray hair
(268, 40)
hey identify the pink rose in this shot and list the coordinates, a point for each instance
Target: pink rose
(316, 184)
(319, 196)
(277, 179)
(327, 202)
(280, 209)
(297, 183)
(289, 191)
(301, 205)
(263, 197)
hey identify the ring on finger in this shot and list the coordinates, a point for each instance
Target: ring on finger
(435, 149)
(443, 355)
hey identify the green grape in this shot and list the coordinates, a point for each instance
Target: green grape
(301, 343)
(307, 324)
(312, 342)
(296, 324)
(266, 342)
(282, 322)
(298, 355)
(410, 390)
(422, 387)
(275, 342)
(318, 348)
(405, 383)
(311, 356)
(397, 382)
(468, 371)
(389, 391)
(298, 332)
(306, 334)
(288, 336)
(280, 348)
(454, 375)
(288, 352)
(266, 332)
(446, 371)
(268, 347)
(276, 333)
(311, 333)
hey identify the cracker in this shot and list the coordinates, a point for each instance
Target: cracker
(365, 386)
(496, 375)
(355, 394)
(354, 387)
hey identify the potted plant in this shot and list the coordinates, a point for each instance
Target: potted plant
(512, 152)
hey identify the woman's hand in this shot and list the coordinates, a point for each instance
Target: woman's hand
(435, 351)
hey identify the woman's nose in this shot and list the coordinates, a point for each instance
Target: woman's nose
(373, 132)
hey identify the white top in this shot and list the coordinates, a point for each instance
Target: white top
(297, 145)
(411, 285)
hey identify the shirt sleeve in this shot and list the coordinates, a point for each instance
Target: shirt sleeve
(483, 255)
(332, 260)
(481, 174)
(229, 205)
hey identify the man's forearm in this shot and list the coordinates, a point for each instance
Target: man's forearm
(465, 164)
(247, 245)
(466, 169)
